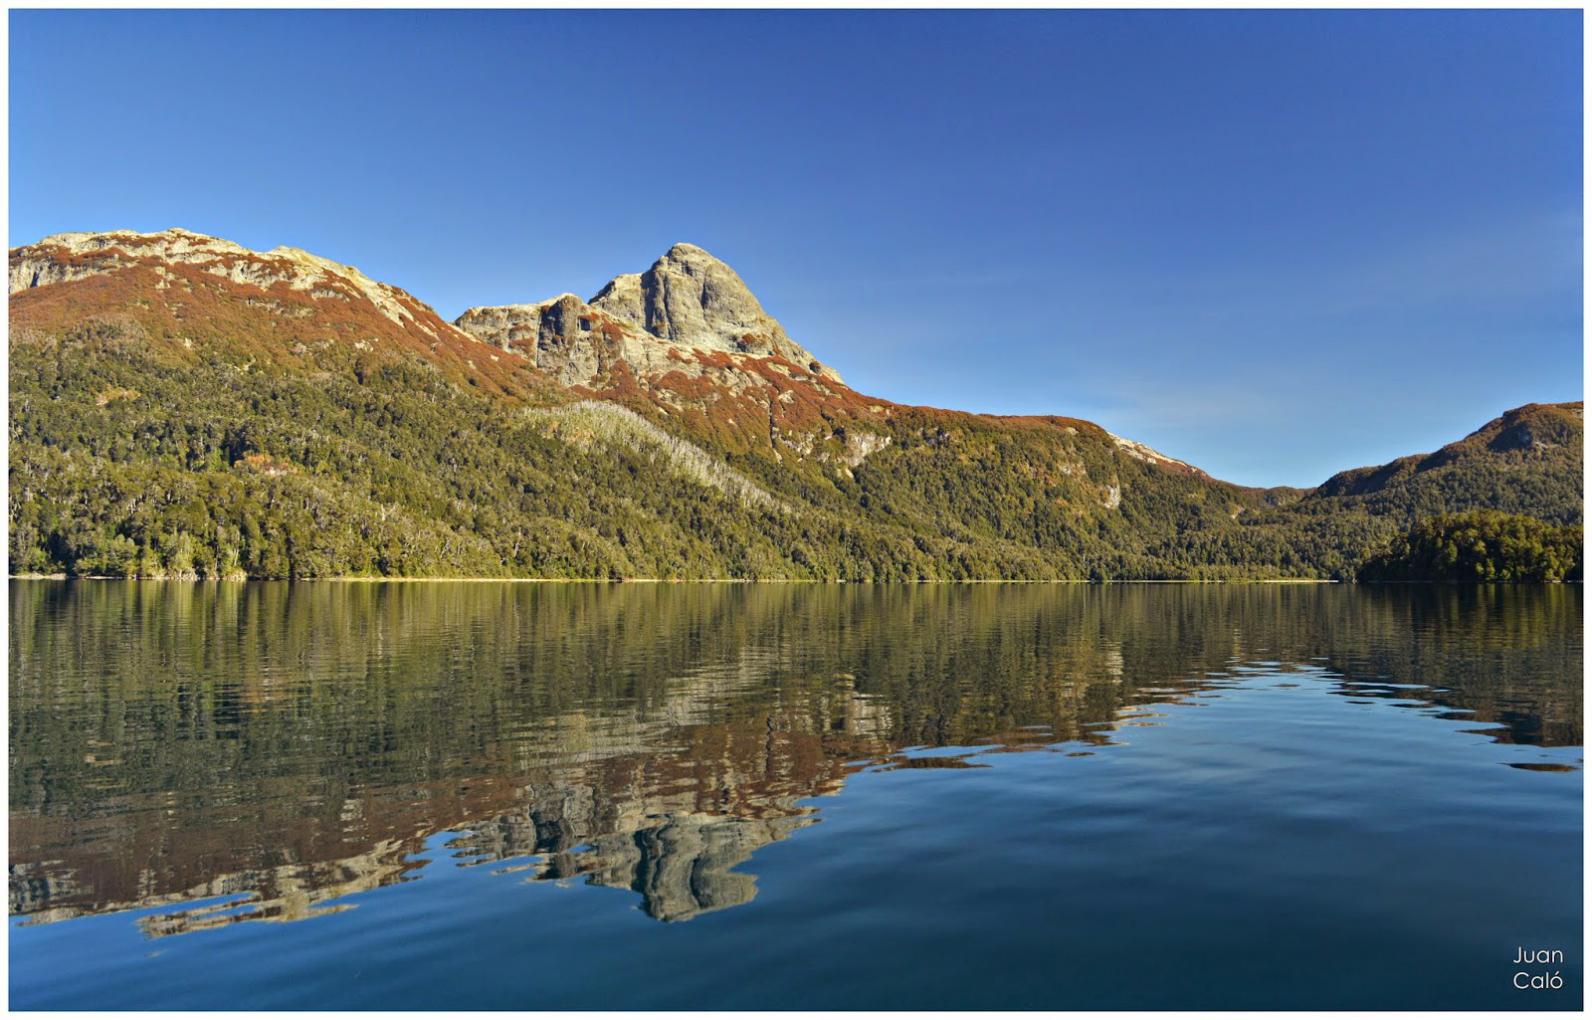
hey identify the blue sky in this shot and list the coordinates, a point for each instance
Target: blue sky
(1273, 244)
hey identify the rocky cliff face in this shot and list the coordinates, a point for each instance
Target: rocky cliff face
(687, 303)
(690, 298)
(688, 339)
(563, 336)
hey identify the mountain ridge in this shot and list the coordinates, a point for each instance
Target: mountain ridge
(748, 456)
(605, 348)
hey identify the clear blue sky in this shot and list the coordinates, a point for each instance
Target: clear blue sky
(1275, 245)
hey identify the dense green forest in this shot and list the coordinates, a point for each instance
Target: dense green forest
(1484, 546)
(127, 461)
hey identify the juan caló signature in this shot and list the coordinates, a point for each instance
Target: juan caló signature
(1543, 978)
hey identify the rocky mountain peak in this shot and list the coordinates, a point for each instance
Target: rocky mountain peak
(694, 300)
(690, 296)
(685, 250)
(687, 298)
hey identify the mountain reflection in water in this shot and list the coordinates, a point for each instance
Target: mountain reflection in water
(261, 751)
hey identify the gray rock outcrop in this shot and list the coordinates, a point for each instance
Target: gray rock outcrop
(688, 299)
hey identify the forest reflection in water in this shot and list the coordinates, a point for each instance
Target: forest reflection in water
(261, 751)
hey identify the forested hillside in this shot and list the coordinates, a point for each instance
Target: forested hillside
(184, 407)
(1527, 462)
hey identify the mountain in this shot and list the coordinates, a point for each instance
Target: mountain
(1525, 461)
(284, 307)
(183, 406)
(689, 300)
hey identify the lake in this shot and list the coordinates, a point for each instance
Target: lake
(482, 795)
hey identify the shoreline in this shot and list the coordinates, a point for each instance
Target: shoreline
(748, 580)
(657, 580)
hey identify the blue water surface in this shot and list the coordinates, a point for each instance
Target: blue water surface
(490, 796)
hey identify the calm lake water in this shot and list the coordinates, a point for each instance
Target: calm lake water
(352, 795)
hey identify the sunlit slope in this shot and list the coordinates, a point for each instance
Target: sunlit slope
(182, 406)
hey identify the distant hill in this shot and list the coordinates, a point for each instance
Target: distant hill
(183, 406)
(1527, 461)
